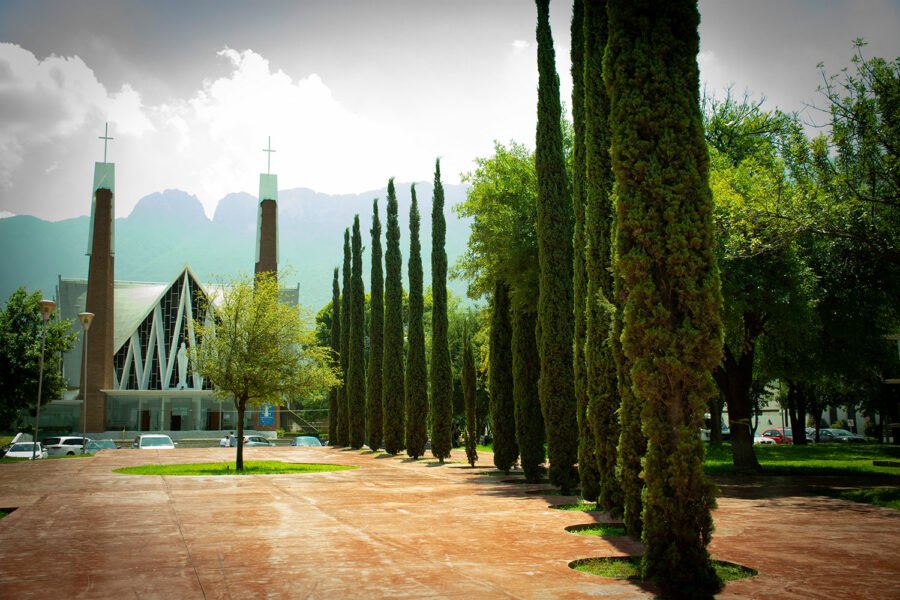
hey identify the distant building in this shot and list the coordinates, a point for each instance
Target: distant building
(139, 376)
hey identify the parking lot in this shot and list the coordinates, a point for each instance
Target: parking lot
(391, 529)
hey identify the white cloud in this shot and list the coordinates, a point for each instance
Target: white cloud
(208, 144)
(520, 45)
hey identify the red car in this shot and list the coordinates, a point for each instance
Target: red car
(781, 435)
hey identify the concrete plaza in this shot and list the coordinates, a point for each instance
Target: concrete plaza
(393, 528)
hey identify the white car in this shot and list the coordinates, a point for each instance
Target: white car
(761, 439)
(25, 450)
(64, 446)
(153, 441)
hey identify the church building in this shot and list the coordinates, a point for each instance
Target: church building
(138, 369)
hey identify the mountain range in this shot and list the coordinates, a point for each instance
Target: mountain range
(167, 229)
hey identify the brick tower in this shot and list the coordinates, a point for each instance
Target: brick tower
(101, 278)
(269, 417)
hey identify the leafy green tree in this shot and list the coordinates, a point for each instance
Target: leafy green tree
(503, 426)
(441, 377)
(554, 233)
(587, 461)
(502, 202)
(602, 380)
(374, 415)
(343, 437)
(467, 382)
(21, 332)
(666, 256)
(416, 366)
(258, 350)
(393, 385)
(334, 394)
(356, 363)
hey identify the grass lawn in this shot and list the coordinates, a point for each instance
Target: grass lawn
(599, 529)
(251, 467)
(629, 568)
(813, 459)
(887, 497)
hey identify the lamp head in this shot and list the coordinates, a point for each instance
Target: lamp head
(47, 307)
(86, 319)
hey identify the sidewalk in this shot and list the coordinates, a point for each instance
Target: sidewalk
(391, 529)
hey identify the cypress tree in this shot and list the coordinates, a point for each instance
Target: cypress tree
(672, 330)
(356, 362)
(503, 425)
(526, 364)
(587, 462)
(392, 382)
(602, 381)
(334, 393)
(416, 368)
(467, 381)
(343, 434)
(554, 233)
(374, 415)
(441, 374)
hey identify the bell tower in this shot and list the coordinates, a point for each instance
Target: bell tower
(101, 279)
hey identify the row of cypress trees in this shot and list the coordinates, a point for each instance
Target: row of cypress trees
(380, 403)
(641, 284)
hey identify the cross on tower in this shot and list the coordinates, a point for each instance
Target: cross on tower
(105, 137)
(269, 157)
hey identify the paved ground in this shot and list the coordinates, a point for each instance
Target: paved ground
(390, 529)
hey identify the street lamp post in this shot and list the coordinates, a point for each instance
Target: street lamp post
(47, 307)
(85, 319)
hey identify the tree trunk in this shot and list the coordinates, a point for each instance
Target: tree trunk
(715, 420)
(798, 398)
(241, 406)
(734, 379)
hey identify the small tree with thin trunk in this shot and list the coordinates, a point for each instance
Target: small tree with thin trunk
(356, 365)
(441, 377)
(416, 366)
(334, 393)
(672, 332)
(467, 381)
(587, 462)
(343, 404)
(392, 390)
(526, 364)
(554, 233)
(374, 415)
(503, 424)
(257, 350)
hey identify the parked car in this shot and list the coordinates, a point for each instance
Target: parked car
(761, 439)
(68, 445)
(781, 435)
(306, 440)
(153, 441)
(98, 445)
(256, 440)
(840, 435)
(26, 450)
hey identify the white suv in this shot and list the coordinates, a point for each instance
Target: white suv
(64, 446)
(153, 441)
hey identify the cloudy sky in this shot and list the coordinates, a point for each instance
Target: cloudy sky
(351, 91)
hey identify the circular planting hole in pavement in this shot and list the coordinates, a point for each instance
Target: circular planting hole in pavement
(251, 467)
(578, 506)
(600, 529)
(553, 492)
(629, 567)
